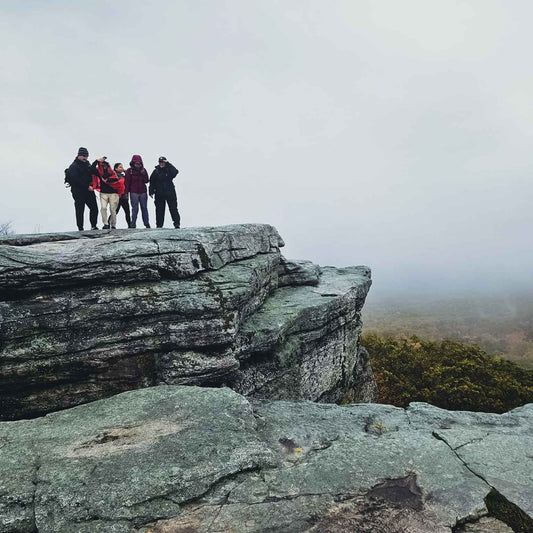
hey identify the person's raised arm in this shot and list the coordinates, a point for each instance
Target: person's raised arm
(172, 170)
(111, 175)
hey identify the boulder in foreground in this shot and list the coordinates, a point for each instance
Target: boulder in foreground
(175, 458)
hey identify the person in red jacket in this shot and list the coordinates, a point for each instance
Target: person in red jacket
(108, 183)
(135, 181)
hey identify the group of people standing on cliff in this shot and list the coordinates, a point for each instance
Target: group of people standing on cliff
(118, 187)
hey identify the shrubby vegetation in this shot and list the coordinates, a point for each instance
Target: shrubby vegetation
(447, 374)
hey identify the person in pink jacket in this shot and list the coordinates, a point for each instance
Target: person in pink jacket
(135, 182)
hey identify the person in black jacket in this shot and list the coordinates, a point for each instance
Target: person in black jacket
(123, 201)
(79, 177)
(162, 185)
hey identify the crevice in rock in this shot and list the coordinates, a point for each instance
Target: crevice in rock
(35, 483)
(497, 505)
(156, 242)
(477, 439)
(401, 493)
(222, 505)
(439, 437)
(13, 294)
(501, 508)
(196, 499)
(156, 273)
(461, 522)
(218, 482)
(204, 258)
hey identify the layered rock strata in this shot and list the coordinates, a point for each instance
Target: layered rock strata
(191, 459)
(84, 316)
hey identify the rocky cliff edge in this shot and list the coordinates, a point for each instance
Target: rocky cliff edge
(84, 316)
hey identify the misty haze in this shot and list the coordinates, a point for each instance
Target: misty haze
(390, 134)
(395, 135)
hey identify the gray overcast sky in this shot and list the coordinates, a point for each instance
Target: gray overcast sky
(390, 133)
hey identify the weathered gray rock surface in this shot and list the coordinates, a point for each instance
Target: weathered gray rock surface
(84, 316)
(191, 459)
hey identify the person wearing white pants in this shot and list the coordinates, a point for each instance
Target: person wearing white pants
(109, 197)
(111, 200)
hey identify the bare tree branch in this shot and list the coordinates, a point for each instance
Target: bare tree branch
(6, 228)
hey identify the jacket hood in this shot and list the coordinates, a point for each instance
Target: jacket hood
(136, 159)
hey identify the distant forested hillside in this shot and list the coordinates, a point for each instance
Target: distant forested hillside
(500, 325)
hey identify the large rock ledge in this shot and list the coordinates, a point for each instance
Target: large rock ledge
(117, 257)
(84, 316)
(190, 459)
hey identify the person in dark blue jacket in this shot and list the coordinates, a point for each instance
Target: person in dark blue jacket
(162, 186)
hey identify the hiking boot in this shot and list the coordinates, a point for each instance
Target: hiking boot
(147, 226)
(113, 227)
(94, 227)
(105, 226)
(176, 226)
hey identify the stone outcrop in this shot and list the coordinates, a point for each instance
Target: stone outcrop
(191, 459)
(84, 316)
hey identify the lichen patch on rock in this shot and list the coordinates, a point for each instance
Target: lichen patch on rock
(121, 439)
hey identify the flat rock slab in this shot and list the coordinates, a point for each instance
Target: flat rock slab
(175, 458)
(116, 257)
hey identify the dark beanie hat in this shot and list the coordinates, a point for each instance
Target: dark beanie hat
(83, 151)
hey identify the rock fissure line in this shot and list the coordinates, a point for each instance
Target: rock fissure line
(216, 483)
(35, 482)
(289, 331)
(477, 439)
(509, 515)
(506, 511)
(80, 329)
(291, 497)
(146, 350)
(439, 437)
(15, 292)
(467, 520)
(222, 505)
